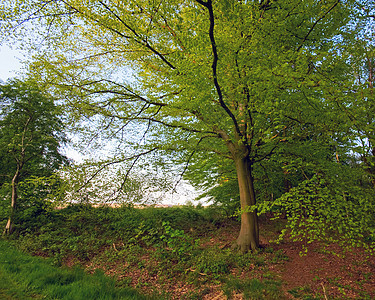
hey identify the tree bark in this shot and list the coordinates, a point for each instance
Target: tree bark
(9, 227)
(248, 238)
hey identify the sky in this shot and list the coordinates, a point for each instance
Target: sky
(9, 62)
(10, 65)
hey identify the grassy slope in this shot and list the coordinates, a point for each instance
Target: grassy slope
(26, 277)
(169, 251)
(177, 253)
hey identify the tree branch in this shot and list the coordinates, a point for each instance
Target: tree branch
(175, 126)
(266, 155)
(142, 40)
(208, 5)
(316, 22)
(137, 156)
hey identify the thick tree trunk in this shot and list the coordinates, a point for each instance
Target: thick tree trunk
(248, 238)
(9, 227)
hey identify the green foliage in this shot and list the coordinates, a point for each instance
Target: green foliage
(177, 241)
(330, 208)
(5, 192)
(214, 263)
(31, 132)
(82, 231)
(37, 197)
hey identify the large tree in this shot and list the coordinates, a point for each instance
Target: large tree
(232, 78)
(30, 137)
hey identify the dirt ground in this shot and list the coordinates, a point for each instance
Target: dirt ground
(325, 271)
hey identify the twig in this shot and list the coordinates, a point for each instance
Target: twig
(192, 270)
(324, 292)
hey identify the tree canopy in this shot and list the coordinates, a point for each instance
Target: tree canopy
(239, 79)
(31, 133)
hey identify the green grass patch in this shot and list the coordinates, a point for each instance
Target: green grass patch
(26, 277)
(252, 288)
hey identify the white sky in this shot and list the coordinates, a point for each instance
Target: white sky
(9, 62)
(10, 65)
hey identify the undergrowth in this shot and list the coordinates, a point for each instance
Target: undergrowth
(161, 246)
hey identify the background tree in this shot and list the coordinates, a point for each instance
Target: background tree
(30, 137)
(233, 78)
(360, 53)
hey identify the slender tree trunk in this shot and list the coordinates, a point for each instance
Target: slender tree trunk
(9, 227)
(371, 67)
(248, 238)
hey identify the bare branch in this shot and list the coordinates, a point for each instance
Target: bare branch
(186, 166)
(127, 175)
(316, 23)
(136, 157)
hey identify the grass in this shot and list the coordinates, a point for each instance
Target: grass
(26, 277)
(252, 288)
